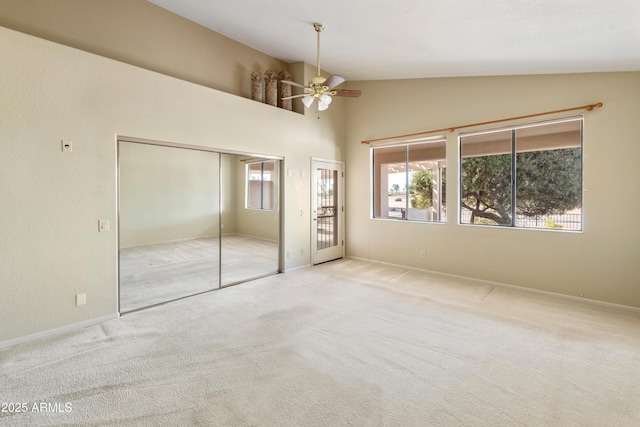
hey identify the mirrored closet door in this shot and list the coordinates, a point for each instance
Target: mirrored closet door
(250, 227)
(189, 222)
(168, 223)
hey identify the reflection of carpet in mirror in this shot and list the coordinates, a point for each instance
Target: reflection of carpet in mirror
(153, 274)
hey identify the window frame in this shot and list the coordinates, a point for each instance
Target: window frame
(513, 184)
(440, 170)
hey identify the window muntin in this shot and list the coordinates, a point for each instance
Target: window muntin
(408, 181)
(260, 185)
(527, 177)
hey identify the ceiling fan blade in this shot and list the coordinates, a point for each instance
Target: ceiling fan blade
(334, 80)
(353, 93)
(294, 96)
(289, 82)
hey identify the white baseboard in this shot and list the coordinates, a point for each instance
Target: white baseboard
(508, 286)
(55, 331)
(289, 270)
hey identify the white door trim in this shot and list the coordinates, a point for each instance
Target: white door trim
(338, 253)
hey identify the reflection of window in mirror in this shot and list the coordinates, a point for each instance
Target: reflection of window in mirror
(260, 182)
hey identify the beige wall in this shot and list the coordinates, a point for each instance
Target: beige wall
(52, 201)
(599, 263)
(140, 33)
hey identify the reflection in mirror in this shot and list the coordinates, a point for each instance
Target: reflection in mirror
(250, 218)
(192, 221)
(168, 223)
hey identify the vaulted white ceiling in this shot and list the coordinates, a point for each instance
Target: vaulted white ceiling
(396, 39)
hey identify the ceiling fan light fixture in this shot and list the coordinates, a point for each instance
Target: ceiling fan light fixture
(323, 101)
(307, 101)
(325, 98)
(320, 87)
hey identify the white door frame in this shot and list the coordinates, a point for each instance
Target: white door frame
(337, 251)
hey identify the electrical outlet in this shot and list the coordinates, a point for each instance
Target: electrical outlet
(67, 146)
(288, 254)
(423, 254)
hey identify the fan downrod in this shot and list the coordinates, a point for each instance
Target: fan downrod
(319, 27)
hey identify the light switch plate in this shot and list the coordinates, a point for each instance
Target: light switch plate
(103, 225)
(81, 299)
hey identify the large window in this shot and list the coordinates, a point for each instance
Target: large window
(409, 181)
(528, 177)
(260, 181)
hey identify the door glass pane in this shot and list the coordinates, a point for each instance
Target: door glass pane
(327, 193)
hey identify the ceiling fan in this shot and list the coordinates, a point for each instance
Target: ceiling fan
(320, 88)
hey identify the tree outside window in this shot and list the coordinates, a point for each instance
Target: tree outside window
(528, 177)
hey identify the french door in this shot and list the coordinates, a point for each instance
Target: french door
(327, 199)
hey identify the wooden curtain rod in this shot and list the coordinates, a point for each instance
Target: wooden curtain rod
(451, 129)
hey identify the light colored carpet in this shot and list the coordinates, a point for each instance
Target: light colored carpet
(343, 343)
(154, 274)
(246, 257)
